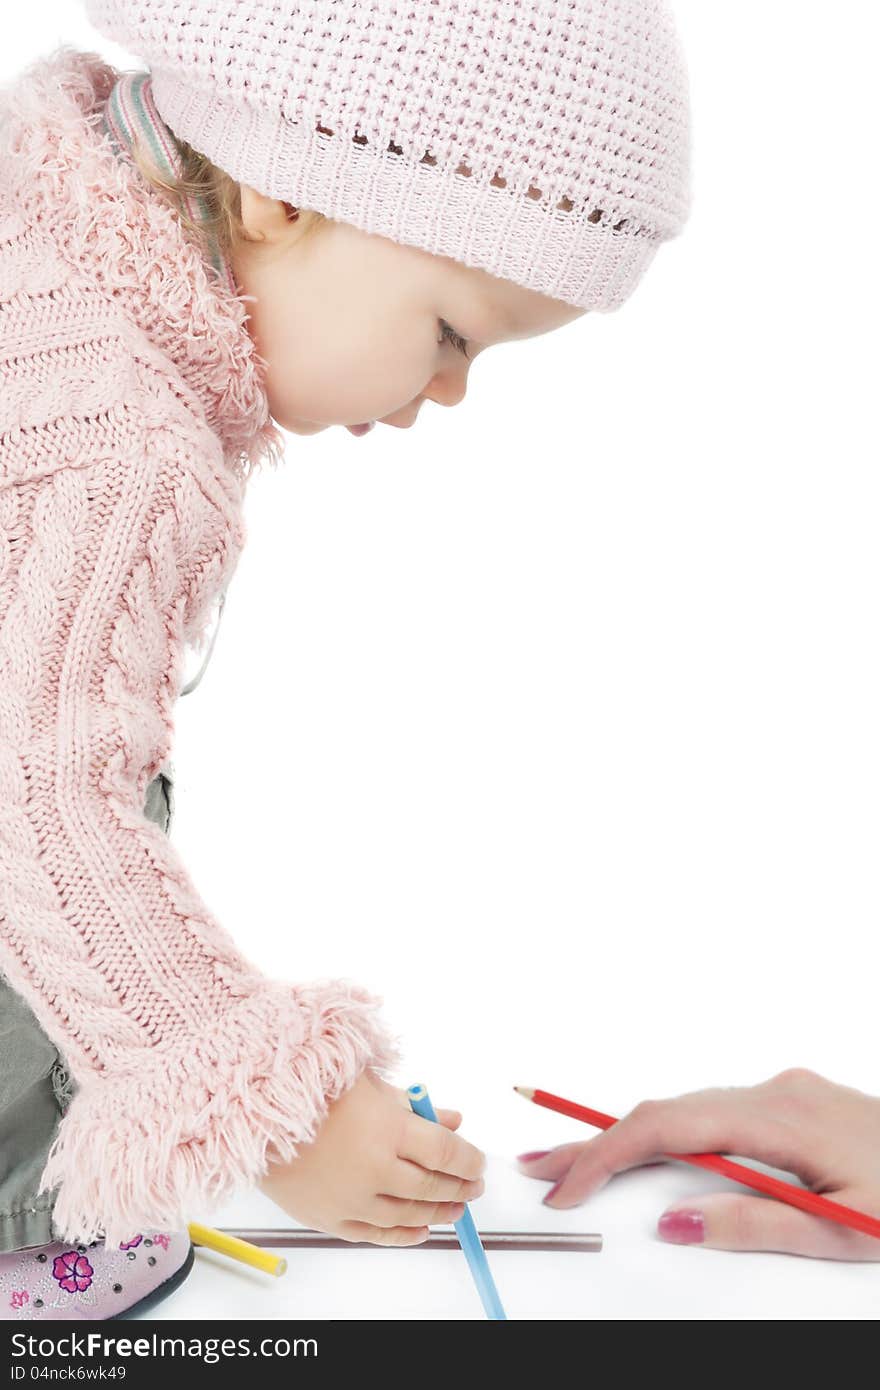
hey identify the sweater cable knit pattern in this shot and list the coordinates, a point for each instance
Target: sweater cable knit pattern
(130, 114)
(544, 141)
(132, 412)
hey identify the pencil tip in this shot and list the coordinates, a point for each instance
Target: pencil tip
(527, 1091)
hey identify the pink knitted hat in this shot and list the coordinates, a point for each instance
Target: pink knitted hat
(546, 142)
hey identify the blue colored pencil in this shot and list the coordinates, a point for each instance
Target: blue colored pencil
(465, 1229)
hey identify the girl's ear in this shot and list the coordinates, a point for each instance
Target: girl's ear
(265, 219)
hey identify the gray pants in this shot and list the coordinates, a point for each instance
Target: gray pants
(36, 1089)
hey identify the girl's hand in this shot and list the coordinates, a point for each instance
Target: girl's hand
(378, 1172)
(828, 1135)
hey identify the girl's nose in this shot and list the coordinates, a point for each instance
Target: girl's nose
(448, 387)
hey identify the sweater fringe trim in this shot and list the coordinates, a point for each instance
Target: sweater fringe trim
(148, 1148)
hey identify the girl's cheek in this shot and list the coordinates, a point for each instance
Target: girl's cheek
(325, 379)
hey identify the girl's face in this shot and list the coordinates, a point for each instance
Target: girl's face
(354, 327)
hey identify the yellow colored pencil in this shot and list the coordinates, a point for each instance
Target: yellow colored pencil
(237, 1249)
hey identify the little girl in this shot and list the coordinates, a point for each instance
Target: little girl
(391, 189)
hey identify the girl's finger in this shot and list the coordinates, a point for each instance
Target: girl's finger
(395, 1211)
(410, 1181)
(729, 1221)
(436, 1147)
(450, 1118)
(383, 1235)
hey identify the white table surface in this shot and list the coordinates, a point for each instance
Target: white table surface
(635, 1275)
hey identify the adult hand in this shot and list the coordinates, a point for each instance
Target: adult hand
(826, 1134)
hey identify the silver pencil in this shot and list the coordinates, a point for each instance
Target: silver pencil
(575, 1241)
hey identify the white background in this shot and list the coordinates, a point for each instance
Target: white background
(553, 720)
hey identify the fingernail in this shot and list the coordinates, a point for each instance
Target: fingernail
(682, 1227)
(552, 1193)
(530, 1158)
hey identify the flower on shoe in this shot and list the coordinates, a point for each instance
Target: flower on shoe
(73, 1271)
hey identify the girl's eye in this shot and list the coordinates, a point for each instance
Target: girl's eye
(459, 343)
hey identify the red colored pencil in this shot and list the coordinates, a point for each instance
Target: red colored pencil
(750, 1177)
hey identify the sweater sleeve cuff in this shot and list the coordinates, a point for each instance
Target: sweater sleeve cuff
(144, 1148)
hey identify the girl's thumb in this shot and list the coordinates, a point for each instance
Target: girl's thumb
(729, 1221)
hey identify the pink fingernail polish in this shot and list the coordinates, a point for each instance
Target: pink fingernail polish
(552, 1193)
(530, 1158)
(682, 1227)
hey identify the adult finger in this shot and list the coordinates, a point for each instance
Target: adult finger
(731, 1221)
(770, 1123)
(550, 1164)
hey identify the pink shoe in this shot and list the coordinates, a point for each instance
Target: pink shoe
(62, 1282)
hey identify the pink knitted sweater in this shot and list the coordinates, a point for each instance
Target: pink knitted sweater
(131, 415)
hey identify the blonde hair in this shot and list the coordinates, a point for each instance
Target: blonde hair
(220, 193)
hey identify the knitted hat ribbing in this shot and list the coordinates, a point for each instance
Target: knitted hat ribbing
(545, 142)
